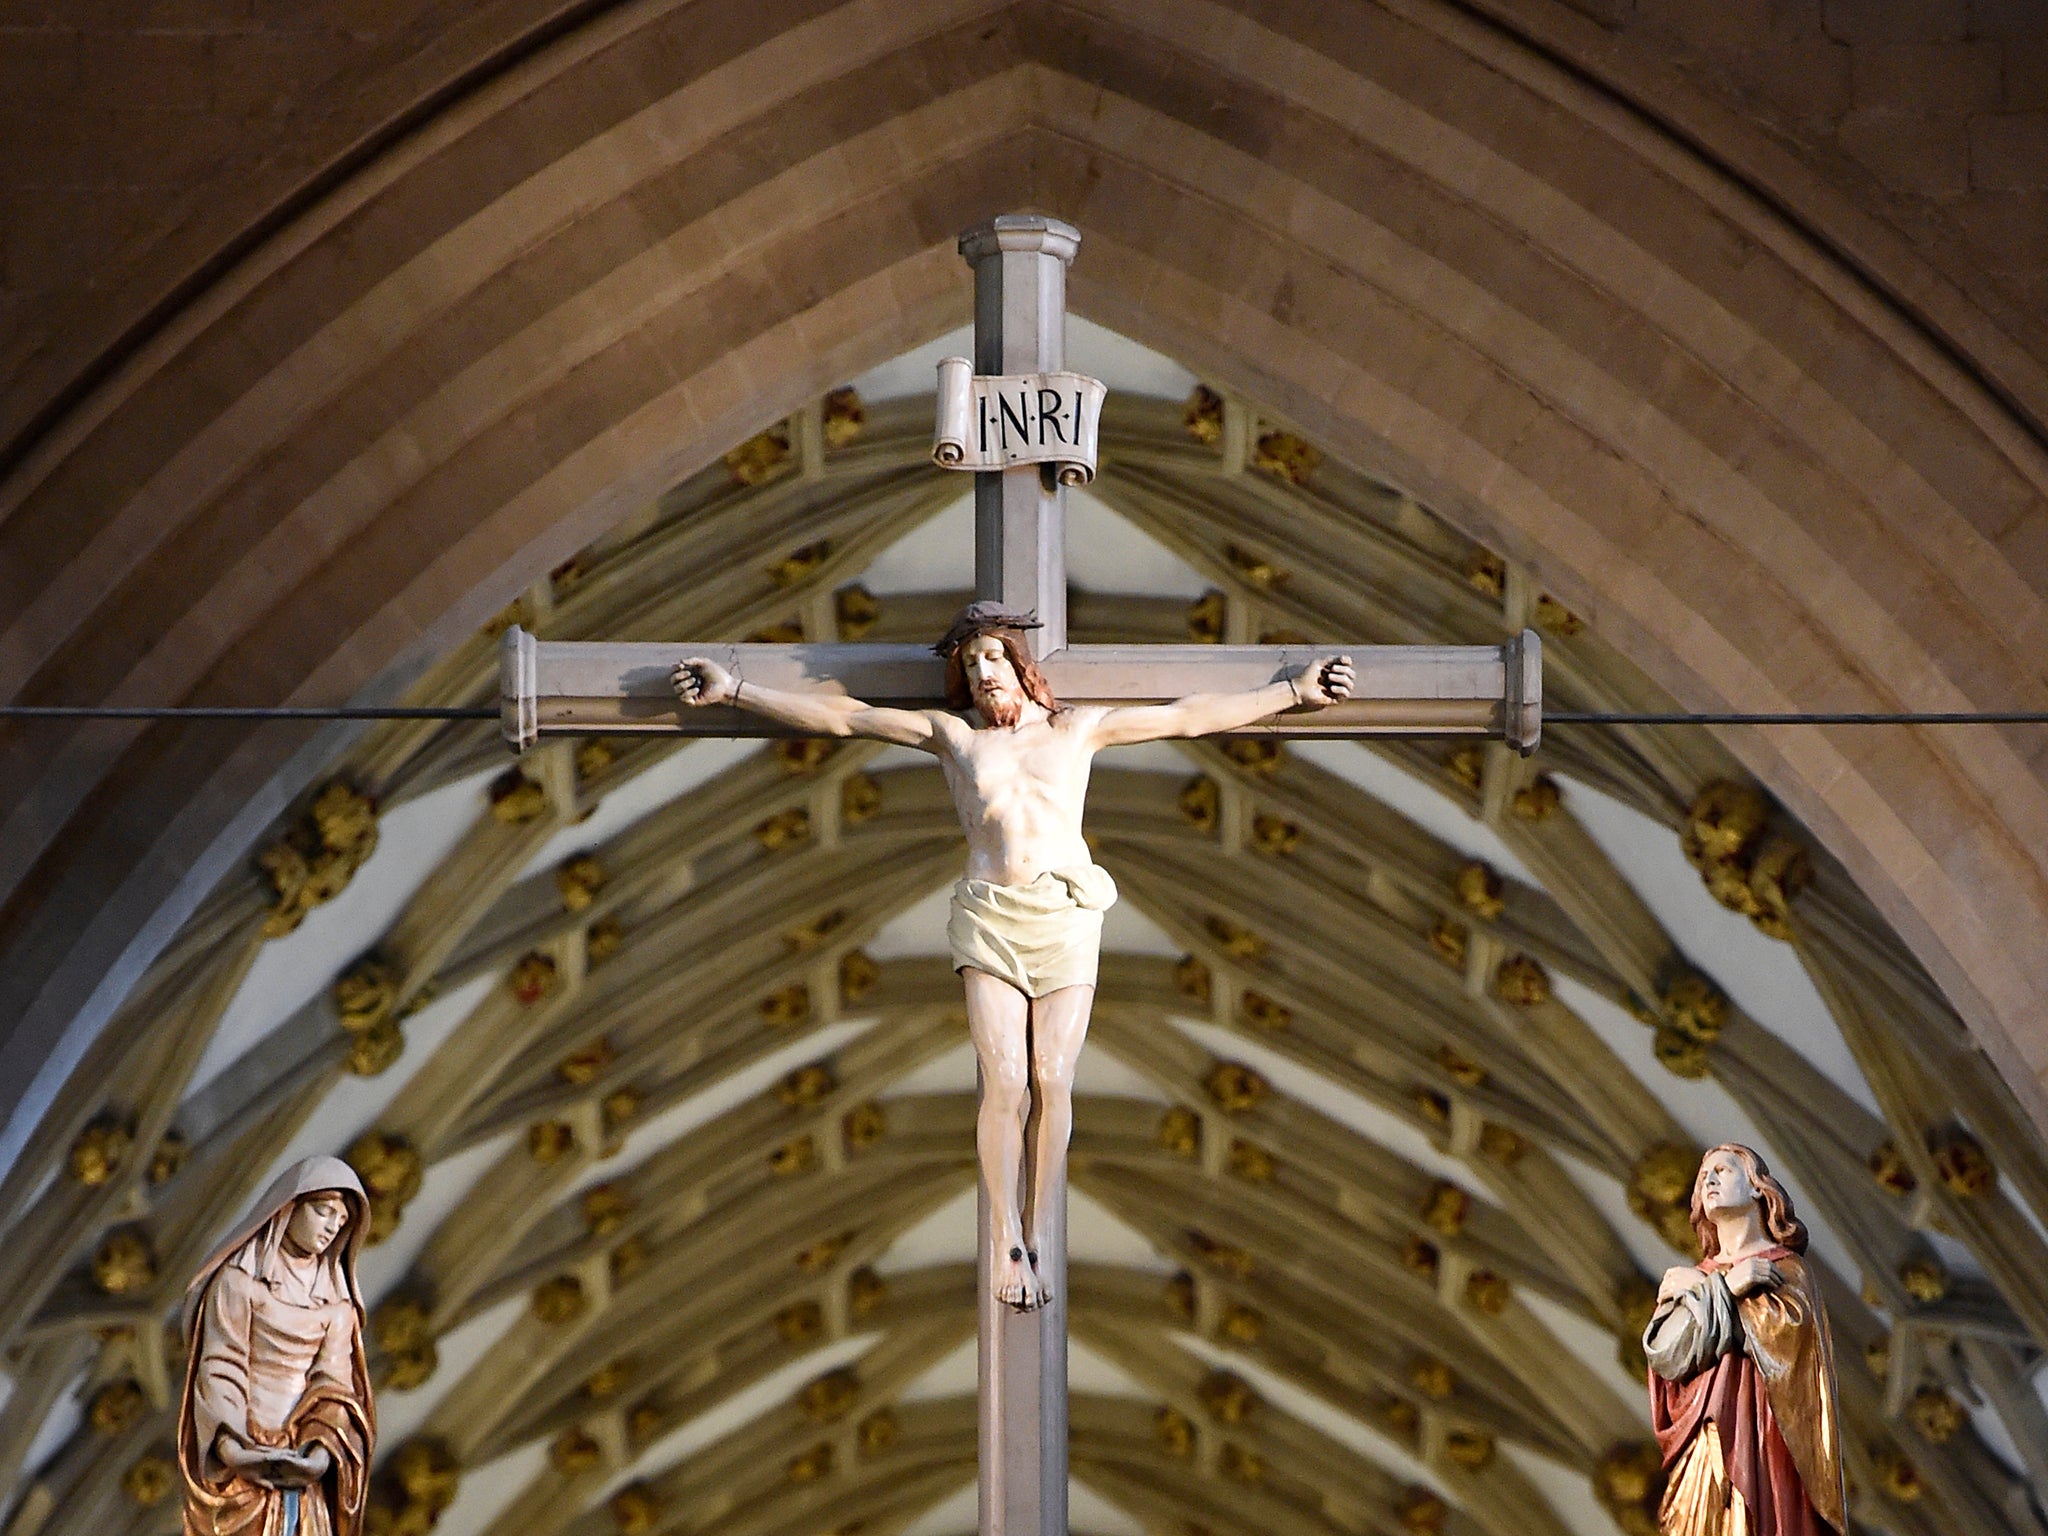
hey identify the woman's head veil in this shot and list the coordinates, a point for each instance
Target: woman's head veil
(254, 1241)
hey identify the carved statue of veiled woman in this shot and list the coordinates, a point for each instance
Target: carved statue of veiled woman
(1742, 1368)
(276, 1427)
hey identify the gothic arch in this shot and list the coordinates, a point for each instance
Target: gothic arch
(1415, 234)
(576, 1001)
(1491, 259)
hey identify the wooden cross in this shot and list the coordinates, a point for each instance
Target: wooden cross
(581, 688)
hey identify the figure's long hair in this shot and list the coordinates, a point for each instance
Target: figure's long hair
(1036, 688)
(1780, 1225)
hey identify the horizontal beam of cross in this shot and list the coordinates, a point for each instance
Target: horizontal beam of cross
(587, 688)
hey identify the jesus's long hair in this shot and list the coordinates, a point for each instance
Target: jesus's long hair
(1780, 1225)
(960, 696)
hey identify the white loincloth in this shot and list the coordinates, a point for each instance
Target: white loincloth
(1038, 937)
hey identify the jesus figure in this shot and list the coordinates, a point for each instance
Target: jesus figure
(1025, 930)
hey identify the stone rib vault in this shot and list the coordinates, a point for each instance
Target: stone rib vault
(656, 1083)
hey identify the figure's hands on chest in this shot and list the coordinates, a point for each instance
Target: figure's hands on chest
(1747, 1276)
(1679, 1279)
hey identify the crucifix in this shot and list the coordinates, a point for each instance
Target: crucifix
(1015, 714)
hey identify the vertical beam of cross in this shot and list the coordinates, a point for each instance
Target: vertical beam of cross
(1020, 308)
(1020, 326)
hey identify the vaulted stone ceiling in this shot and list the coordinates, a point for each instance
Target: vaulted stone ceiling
(328, 335)
(648, 1054)
(1566, 271)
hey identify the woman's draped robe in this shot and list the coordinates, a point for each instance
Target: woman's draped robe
(1742, 1397)
(276, 1359)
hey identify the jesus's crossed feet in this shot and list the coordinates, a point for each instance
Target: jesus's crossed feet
(1015, 1277)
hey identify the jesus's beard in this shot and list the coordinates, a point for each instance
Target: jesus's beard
(1000, 708)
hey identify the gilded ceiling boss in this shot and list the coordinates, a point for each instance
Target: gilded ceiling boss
(276, 1427)
(1742, 1368)
(1026, 924)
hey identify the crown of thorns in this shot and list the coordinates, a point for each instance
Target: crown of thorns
(981, 619)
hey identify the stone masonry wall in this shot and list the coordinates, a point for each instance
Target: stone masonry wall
(143, 138)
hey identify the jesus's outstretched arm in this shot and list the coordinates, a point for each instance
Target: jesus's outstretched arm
(1322, 682)
(699, 680)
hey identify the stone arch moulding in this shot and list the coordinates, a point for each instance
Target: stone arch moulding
(1437, 251)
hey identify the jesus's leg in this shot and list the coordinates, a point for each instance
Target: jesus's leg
(998, 1017)
(1059, 1023)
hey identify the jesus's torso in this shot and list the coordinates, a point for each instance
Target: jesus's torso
(1019, 791)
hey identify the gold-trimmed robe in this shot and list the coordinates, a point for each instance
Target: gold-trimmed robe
(275, 1374)
(1742, 1397)
(275, 1358)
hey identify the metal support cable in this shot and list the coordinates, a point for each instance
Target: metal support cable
(1794, 717)
(490, 712)
(246, 712)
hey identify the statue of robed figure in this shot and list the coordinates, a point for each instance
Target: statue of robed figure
(1742, 1368)
(276, 1426)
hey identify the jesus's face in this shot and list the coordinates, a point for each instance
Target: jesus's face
(992, 680)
